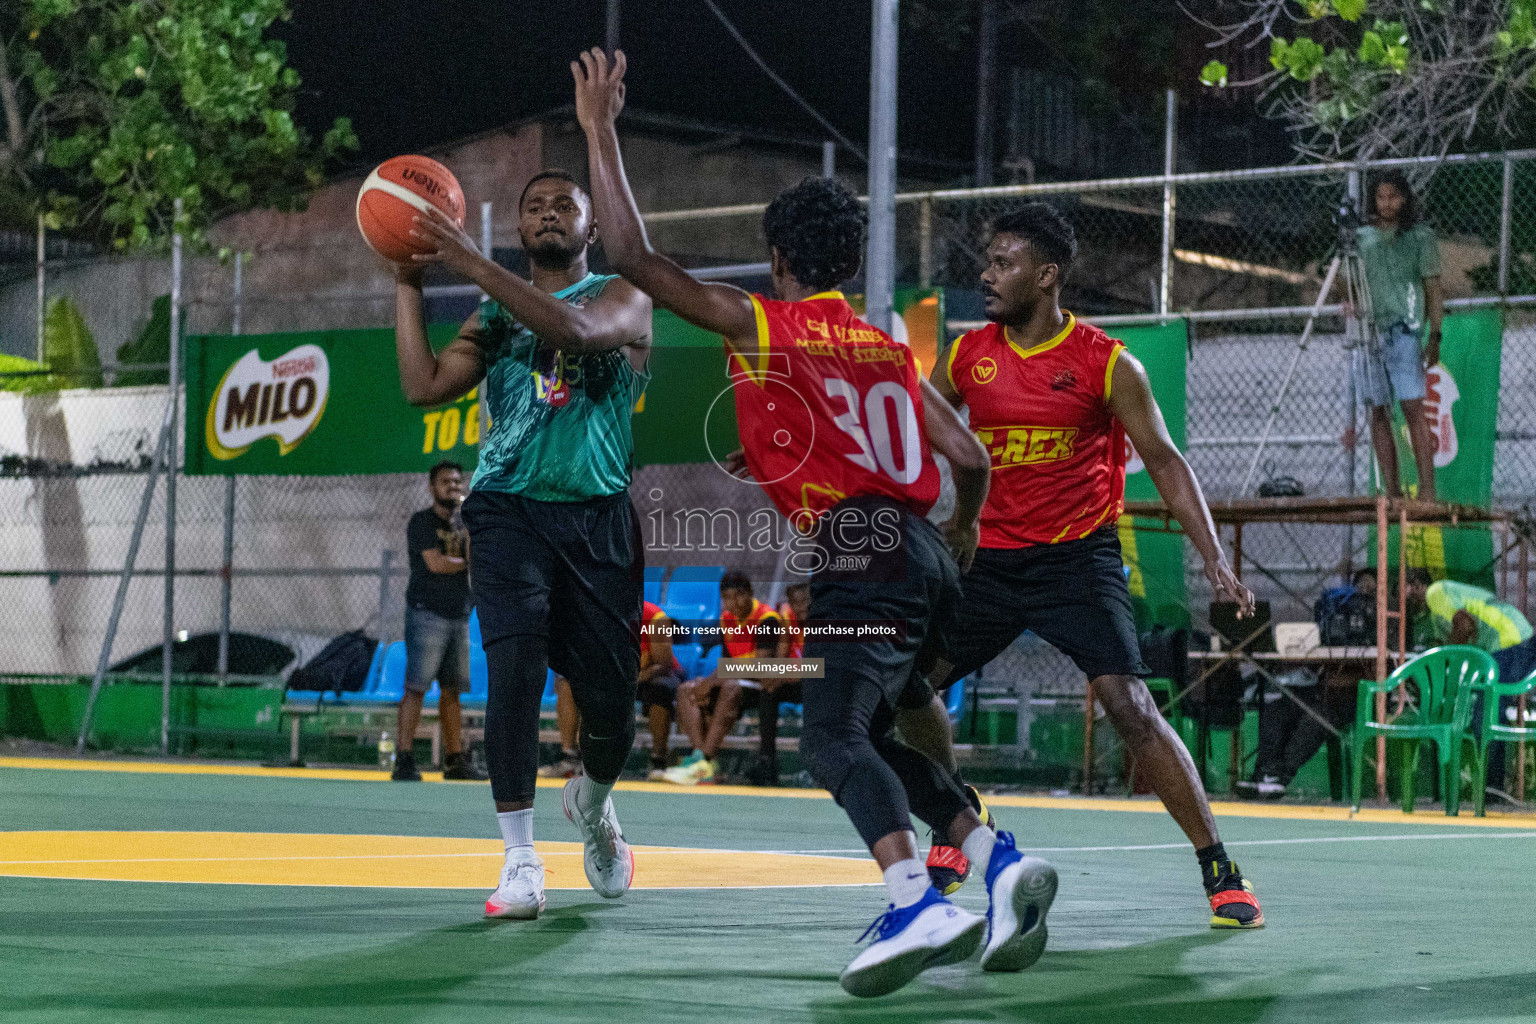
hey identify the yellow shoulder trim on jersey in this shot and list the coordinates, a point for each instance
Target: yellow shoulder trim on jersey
(1109, 368)
(1044, 346)
(756, 367)
(949, 360)
(832, 294)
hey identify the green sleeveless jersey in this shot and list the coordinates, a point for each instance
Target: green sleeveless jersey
(560, 423)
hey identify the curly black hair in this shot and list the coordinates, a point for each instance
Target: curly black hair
(818, 228)
(1044, 228)
(1398, 180)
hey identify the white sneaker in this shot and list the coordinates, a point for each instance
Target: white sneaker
(609, 863)
(521, 892)
(1271, 788)
(1020, 890)
(930, 933)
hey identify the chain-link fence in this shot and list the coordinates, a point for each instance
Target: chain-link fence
(1245, 254)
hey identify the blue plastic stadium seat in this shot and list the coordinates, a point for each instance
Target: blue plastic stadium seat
(693, 617)
(956, 699)
(547, 702)
(688, 656)
(391, 682)
(474, 629)
(697, 584)
(706, 663)
(654, 575)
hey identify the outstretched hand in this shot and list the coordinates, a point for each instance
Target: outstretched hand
(599, 87)
(451, 246)
(1225, 586)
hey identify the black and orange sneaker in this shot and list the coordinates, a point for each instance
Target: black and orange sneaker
(1233, 904)
(948, 868)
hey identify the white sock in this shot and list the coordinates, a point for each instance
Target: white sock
(906, 881)
(516, 829)
(590, 794)
(978, 850)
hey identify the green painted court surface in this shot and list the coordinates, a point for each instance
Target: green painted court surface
(1368, 921)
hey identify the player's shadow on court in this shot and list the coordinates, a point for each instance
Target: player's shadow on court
(1170, 981)
(431, 968)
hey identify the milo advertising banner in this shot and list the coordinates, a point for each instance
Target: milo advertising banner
(329, 403)
(1461, 402)
(1156, 558)
(316, 404)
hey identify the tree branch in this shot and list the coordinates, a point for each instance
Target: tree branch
(10, 152)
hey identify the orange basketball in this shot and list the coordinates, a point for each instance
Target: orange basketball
(398, 190)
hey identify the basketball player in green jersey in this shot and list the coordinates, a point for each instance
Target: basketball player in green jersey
(557, 559)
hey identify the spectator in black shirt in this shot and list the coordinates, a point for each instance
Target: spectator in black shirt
(437, 624)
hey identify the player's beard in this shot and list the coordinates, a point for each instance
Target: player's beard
(1016, 315)
(554, 251)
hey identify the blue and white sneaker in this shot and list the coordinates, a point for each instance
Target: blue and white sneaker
(930, 933)
(1021, 890)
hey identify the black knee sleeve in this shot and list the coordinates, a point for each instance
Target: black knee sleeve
(607, 728)
(516, 666)
(861, 782)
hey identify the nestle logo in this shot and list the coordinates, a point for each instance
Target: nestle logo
(1064, 380)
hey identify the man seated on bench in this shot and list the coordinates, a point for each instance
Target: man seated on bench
(709, 707)
(1290, 733)
(660, 676)
(1463, 614)
(775, 693)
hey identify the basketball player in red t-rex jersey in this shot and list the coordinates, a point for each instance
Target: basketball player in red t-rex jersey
(1053, 400)
(835, 425)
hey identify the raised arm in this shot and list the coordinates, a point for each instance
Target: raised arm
(427, 378)
(968, 462)
(721, 308)
(619, 317)
(1131, 401)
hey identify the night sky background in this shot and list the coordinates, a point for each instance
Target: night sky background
(414, 75)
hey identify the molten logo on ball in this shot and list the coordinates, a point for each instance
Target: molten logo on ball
(283, 398)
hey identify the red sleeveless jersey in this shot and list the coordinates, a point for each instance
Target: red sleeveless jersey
(1058, 454)
(828, 408)
(650, 615)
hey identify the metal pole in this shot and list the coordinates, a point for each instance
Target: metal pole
(1165, 281)
(925, 245)
(986, 100)
(226, 585)
(1505, 203)
(828, 159)
(611, 40)
(385, 558)
(1381, 642)
(121, 598)
(485, 237)
(880, 268)
(174, 382)
(42, 290)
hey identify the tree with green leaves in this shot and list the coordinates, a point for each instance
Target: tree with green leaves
(1380, 78)
(113, 109)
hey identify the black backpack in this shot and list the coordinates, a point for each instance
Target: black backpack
(1345, 617)
(341, 667)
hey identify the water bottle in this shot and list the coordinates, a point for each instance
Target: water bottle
(386, 751)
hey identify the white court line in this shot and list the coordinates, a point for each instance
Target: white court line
(1180, 846)
(781, 853)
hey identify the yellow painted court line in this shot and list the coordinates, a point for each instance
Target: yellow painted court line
(374, 861)
(1222, 809)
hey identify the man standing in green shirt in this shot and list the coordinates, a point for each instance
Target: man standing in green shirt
(1402, 276)
(558, 561)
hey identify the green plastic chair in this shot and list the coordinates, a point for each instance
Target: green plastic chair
(1495, 731)
(1444, 678)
